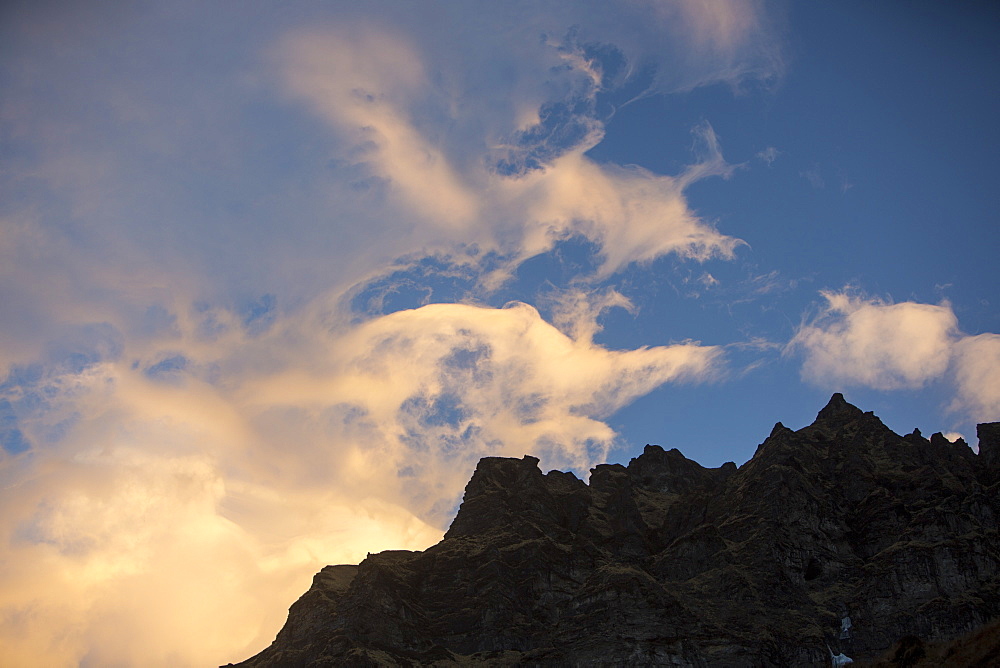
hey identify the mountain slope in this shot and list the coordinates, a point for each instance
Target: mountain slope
(665, 562)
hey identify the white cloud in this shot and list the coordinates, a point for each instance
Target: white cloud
(857, 341)
(977, 377)
(169, 182)
(712, 42)
(814, 176)
(768, 155)
(124, 555)
(872, 343)
(632, 214)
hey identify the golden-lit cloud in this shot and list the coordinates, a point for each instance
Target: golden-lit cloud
(197, 419)
(170, 517)
(373, 88)
(188, 456)
(420, 395)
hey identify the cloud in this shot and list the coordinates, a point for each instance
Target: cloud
(706, 42)
(422, 394)
(192, 420)
(575, 311)
(134, 182)
(629, 213)
(366, 82)
(814, 176)
(977, 377)
(872, 343)
(768, 155)
(124, 555)
(161, 178)
(130, 537)
(857, 341)
(166, 513)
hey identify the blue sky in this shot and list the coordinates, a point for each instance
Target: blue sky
(273, 279)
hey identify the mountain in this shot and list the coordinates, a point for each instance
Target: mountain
(841, 537)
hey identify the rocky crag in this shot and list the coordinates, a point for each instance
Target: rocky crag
(664, 562)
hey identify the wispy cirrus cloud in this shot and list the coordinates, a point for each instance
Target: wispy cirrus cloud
(576, 311)
(444, 191)
(768, 155)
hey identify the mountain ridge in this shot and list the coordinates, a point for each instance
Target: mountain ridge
(666, 562)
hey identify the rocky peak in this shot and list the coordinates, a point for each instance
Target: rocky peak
(916, 438)
(989, 443)
(502, 473)
(838, 412)
(606, 477)
(668, 471)
(777, 429)
(500, 487)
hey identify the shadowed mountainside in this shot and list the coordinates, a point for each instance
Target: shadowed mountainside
(665, 562)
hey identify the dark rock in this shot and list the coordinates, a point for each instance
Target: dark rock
(665, 562)
(989, 444)
(838, 411)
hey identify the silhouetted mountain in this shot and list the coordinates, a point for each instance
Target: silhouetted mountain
(840, 536)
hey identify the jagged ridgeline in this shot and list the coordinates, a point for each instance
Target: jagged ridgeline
(835, 540)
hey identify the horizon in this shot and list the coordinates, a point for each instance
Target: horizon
(273, 281)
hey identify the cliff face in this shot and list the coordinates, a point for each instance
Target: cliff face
(664, 562)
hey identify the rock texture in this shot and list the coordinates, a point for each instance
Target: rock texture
(664, 562)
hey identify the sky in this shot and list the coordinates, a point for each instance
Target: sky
(274, 276)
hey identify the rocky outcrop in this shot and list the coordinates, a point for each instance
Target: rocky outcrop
(989, 446)
(665, 562)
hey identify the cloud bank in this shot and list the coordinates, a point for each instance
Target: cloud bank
(167, 505)
(193, 418)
